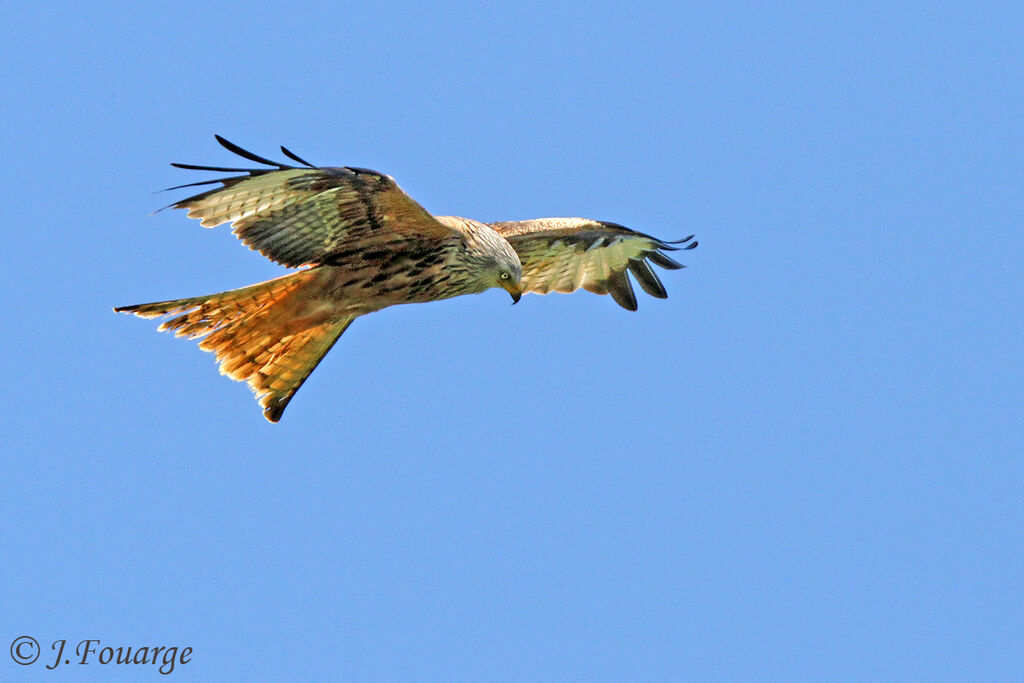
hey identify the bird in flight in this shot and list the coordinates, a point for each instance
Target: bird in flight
(363, 244)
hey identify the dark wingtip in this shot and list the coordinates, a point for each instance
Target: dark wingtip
(659, 259)
(670, 245)
(197, 167)
(622, 291)
(647, 278)
(246, 154)
(295, 157)
(201, 182)
(630, 306)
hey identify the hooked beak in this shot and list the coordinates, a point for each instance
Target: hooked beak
(514, 289)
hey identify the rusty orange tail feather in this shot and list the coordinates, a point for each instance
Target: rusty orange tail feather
(255, 334)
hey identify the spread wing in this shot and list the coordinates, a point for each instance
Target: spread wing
(564, 254)
(297, 216)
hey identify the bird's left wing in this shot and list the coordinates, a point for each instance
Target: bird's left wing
(297, 216)
(564, 254)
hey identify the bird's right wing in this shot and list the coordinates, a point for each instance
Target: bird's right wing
(565, 254)
(297, 216)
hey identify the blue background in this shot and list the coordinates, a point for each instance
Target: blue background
(804, 465)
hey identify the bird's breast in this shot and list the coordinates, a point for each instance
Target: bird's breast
(373, 281)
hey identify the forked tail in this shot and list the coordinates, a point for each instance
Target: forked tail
(258, 334)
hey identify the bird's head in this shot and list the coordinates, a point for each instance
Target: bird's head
(491, 259)
(507, 268)
(510, 279)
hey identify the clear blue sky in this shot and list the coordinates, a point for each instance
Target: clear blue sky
(806, 464)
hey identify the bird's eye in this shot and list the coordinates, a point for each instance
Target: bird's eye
(504, 276)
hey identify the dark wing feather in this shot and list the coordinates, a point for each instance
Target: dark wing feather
(565, 254)
(298, 216)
